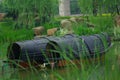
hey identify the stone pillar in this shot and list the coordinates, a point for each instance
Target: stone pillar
(64, 7)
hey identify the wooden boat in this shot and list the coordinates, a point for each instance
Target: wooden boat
(59, 50)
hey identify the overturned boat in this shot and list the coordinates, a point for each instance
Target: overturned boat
(57, 50)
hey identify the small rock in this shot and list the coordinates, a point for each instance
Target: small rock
(73, 19)
(38, 31)
(66, 24)
(51, 32)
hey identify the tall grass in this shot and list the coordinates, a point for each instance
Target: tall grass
(30, 13)
(89, 72)
(9, 34)
(84, 72)
(26, 9)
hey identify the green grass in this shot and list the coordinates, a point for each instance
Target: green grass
(9, 34)
(111, 65)
(103, 24)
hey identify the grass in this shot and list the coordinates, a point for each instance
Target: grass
(9, 34)
(111, 66)
(107, 71)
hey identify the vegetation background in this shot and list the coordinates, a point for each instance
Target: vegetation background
(23, 15)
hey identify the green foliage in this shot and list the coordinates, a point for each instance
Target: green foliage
(2, 9)
(70, 72)
(9, 34)
(30, 13)
(102, 24)
(85, 6)
(83, 29)
(99, 6)
(111, 6)
(90, 71)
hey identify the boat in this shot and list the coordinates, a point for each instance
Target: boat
(58, 51)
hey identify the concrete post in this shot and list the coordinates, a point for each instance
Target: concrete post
(64, 7)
